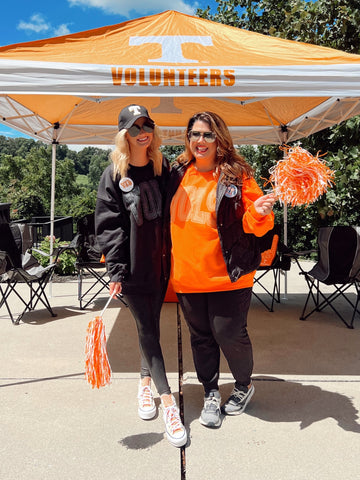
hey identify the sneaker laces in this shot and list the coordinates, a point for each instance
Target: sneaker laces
(212, 403)
(239, 394)
(173, 421)
(145, 396)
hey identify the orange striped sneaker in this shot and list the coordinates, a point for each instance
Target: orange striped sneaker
(147, 407)
(175, 430)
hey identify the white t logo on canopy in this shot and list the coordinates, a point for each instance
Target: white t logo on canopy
(171, 46)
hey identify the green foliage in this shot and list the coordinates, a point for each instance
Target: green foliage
(82, 204)
(20, 185)
(25, 178)
(332, 24)
(16, 146)
(82, 180)
(66, 260)
(341, 148)
(98, 162)
(91, 156)
(171, 152)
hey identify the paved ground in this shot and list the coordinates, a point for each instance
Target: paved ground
(302, 424)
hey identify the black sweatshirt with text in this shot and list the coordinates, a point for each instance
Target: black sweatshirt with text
(129, 227)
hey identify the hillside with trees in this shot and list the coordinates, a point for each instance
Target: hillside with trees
(25, 178)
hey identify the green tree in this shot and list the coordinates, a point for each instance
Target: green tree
(17, 188)
(82, 204)
(16, 146)
(25, 182)
(171, 152)
(331, 24)
(85, 157)
(98, 162)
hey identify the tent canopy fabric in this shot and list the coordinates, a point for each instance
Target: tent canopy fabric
(70, 89)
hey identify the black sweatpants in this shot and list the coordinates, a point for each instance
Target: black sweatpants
(146, 309)
(218, 320)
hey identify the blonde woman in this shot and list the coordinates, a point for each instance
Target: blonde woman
(129, 225)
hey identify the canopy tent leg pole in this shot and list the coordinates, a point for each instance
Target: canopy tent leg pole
(285, 242)
(284, 132)
(181, 393)
(52, 206)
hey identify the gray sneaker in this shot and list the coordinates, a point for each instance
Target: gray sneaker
(237, 401)
(210, 414)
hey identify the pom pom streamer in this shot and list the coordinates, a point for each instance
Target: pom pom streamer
(300, 178)
(97, 366)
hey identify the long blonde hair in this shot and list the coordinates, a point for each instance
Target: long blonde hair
(228, 161)
(120, 156)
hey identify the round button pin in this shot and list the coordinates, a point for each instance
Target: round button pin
(231, 191)
(126, 184)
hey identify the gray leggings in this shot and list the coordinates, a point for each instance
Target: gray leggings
(146, 309)
(218, 320)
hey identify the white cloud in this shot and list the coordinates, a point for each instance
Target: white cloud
(124, 7)
(62, 30)
(36, 24)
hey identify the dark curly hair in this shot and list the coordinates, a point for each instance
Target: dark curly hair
(229, 162)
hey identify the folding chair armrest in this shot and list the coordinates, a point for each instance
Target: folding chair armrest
(56, 251)
(55, 254)
(302, 253)
(297, 255)
(40, 252)
(76, 242)
(62, 248)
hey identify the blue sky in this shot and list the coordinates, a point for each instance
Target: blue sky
(26, 21)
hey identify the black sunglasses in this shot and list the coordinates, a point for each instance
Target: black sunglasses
(134, 130)
(209, 137)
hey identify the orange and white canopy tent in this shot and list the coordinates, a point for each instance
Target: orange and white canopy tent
(70, 89)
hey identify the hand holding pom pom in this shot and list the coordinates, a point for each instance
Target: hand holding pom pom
(300, 178)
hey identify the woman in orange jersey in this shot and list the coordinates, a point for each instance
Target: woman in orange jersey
(217, 212)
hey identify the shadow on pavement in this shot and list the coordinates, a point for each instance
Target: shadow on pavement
(277, 400)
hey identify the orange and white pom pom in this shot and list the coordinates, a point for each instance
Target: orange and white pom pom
(97, 367)
(300, 178)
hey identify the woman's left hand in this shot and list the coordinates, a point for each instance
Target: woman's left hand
(264, 205)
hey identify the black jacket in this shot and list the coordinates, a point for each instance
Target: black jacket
(241, 251)
(129, 228)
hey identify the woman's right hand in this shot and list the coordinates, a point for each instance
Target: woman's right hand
(264, 205)
(115, 288)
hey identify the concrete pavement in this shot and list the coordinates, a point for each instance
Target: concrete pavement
(302, 423)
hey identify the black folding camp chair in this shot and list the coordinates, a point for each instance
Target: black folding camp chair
(18, 268)
(274, 262)
(89, 262)
(337, 266)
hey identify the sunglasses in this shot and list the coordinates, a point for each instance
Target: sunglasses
(209, 137)
(134, 130)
